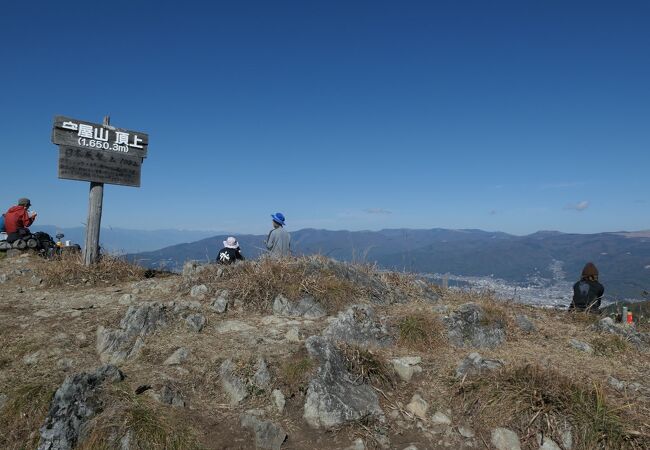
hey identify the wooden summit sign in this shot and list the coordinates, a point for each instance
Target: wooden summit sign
(99, 153)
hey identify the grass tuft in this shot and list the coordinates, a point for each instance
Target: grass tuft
(295, 372)
(24, 413)
(69, 269)
(532, 400)
(420, 331)
(366, 366)
(139, 421)
(609, 345)
(256, 283)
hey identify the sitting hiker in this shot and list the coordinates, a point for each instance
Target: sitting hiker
(18, 220)
(587, 292)
(230, 252)
(278, 241)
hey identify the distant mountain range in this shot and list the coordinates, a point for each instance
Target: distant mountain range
(623, 258)
(122, 240)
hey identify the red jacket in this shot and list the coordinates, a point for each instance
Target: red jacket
(17, 217)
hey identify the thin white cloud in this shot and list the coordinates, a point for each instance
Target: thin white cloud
(580, 206)
(381, 211)
(561, 185)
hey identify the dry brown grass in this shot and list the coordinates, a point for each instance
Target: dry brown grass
(531, 399)
(367, 366)
(23, 413)
(147, 425)
(257, 283)
(609, 345)
(69, 270)
(421, 331)
(294, 372)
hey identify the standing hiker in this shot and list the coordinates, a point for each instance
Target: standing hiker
(278, 241)
(230, 252)
(18, 220)
(587, 292)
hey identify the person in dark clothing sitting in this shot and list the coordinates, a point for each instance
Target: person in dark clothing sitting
(230, 252)
(587, 292)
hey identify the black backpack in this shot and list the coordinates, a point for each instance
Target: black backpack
(45, 241)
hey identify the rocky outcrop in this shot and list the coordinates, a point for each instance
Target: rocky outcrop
(115, 346)
(75, 402)
(475, 364)
(307, 307)
(267, 434)
(640, 340)
(333, 397)
(505, 439)
(469, 326)
(407, 366)
(359, 325)
(232, 384)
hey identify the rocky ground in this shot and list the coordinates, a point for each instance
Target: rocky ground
(303, 354)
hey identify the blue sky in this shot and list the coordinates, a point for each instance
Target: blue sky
(512, 116)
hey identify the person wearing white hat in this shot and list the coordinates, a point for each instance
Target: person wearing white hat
(230, 252)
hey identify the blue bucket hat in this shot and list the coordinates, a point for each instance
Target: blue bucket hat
(278, 218)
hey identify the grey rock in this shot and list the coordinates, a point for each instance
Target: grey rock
(546, 443)
(359, 325)
(410, 447)
(467, 327)
(505, 439)
(640, 340)
(440, 418)
(425, 291)
(65, 363)
(278, 400)
(220, 304)
(262, 377)
(334, 397)
(292, 335)
(475, 364)
(233, 326)
(3, 401)
(524, 323)
(407, 366)
(115, 346)
(418, 406)
(358, 444)
(4, 278)
(466, 432)
(234, 386)
(567, 438)
(126, 299)
(178, 357)
(171, 396)
(32, 358)
(267, 434)
(199, 291)
(75, 402)
(35, 280)
(307, 307)
(581, 346)
(195, 322)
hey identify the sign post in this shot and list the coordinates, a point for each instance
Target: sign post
(99, 154)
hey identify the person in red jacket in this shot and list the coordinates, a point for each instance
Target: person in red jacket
(18, 220)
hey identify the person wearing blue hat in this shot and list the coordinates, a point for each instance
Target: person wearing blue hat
(278, 241)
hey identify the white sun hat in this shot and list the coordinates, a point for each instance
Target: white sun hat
(231, 242)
